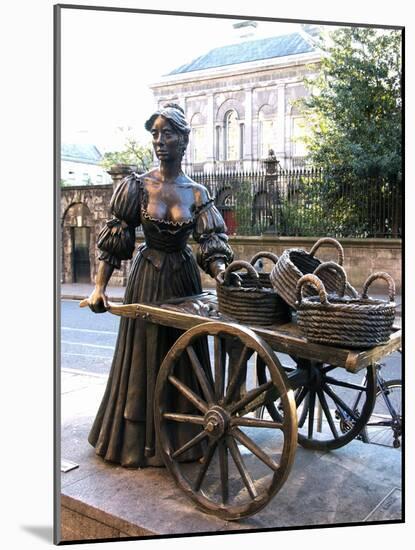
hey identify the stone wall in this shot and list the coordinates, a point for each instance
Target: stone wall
(362, 256)
(89, 206)
(86, 206)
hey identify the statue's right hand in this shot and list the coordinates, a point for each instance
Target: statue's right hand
(97, 302)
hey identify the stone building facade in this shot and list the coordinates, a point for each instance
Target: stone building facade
(84, 211)
(240, 101)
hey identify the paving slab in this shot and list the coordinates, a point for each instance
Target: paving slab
(356, 483)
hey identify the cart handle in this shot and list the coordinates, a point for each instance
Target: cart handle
(331, 241)
(339, 270)
(123, 310)
(380, 275)
(270, 255)
(241, 264)
(314, 281)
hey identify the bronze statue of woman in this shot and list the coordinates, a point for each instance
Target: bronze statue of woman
(170, 207)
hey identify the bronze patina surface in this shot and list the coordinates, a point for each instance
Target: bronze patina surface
(170, 207)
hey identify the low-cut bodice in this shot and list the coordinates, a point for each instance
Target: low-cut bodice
(128, 206)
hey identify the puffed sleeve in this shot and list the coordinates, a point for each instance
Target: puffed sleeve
(210, 233)
(117, 238)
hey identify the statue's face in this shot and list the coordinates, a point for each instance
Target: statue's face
(167, 143)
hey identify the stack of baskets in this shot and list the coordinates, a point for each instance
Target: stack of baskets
(338, 320)
(295, 262)
(329, 309)
(253, 300)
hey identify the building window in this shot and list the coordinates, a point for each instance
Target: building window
(266, 135)
(198, 139)
(99, 179)
(199, 143)
(298, 131)
(231, 136)
(85, 178)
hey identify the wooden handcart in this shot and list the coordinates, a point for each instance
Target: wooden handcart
(250, 410)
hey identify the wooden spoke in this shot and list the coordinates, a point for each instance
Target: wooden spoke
(189, 394)
(207, 458)
(265, 398)
(220, 364)
(219, 395)
(224, 474)
(197, 439)
(327, 413)
(253, 447)
(255, 423)
(299, 398)
(343, 384)
(200, 374)
(178, 417)
(250, 396)
(311, 406)
(237, 458)
(340, 402)
(235, 381)
(345, 416)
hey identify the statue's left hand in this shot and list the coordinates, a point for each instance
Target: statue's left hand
(234, 279)
(97, 302)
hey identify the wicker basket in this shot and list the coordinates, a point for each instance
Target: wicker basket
(264, 277)
(249, 303)
(346, 322)
(296, 262)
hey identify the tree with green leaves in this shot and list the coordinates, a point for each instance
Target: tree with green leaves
(354, 117)
(355, 107)
(133, 153)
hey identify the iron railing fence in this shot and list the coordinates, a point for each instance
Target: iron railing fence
(306, 202)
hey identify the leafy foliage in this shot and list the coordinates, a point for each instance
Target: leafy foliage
(133, 153)
(354, 110)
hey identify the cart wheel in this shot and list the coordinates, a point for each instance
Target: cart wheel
(332, 409)
(244, 460)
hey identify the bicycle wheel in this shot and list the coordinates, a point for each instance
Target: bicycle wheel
(332, 409)
(384, 426)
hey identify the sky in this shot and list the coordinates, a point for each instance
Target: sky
(110, 58)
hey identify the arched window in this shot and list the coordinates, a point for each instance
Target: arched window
(231, 136)
(266, 134)
(298, 131)
(198, 139)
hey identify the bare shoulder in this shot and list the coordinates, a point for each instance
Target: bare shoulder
(200, 193)
(152, 174)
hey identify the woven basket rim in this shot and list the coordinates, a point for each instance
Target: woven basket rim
(336, 300)
(356, 307)
(247, 289)
(286, 256)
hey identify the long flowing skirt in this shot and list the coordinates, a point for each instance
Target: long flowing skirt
(123, 430)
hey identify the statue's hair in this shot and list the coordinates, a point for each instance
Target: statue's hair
(174, 114)
(173, 106)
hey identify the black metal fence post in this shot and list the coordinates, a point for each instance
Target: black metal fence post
(305, 202)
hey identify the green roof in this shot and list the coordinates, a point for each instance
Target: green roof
(252, 50)
(79, 152)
